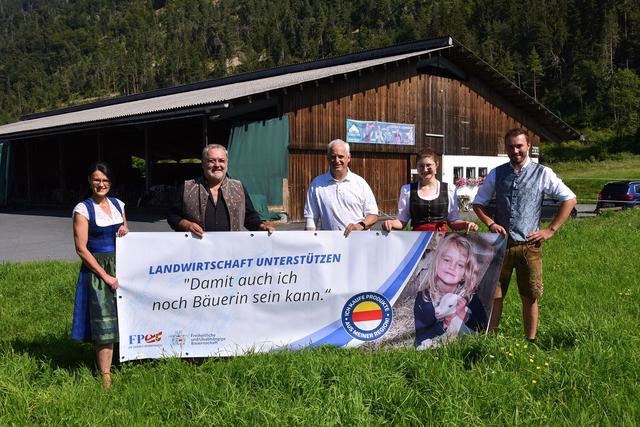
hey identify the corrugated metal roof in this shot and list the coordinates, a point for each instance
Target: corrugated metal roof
(195, 98)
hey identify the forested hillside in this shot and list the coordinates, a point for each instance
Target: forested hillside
(581, 58)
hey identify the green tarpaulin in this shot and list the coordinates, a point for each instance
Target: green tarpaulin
(259, 158)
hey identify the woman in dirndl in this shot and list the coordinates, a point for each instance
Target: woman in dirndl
(429, 204)
(97, 221)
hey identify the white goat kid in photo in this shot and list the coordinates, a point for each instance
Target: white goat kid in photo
(448, 311)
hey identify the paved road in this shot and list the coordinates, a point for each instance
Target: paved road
(46, 235)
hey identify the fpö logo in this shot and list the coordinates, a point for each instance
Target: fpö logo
(145, 338)
(367, 316)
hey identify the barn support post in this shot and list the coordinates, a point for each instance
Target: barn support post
(62, 183)
(205, 130)
(29, 173)
(99, 144)
(147, 161)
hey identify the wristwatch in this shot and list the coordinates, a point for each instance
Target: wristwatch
(364, 226)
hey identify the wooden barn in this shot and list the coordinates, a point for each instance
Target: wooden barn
(389, 102)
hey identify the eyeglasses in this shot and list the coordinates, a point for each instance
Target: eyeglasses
(104, 182)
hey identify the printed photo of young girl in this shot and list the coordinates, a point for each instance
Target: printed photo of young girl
(447, 305)
(450, 292)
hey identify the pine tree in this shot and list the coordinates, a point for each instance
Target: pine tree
(536, 69)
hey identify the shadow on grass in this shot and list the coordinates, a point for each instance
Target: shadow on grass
(416, 380)
(58, 352)
(562, 338)
(472, 353)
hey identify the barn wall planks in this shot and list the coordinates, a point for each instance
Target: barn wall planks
(385, 173)
(472, 118)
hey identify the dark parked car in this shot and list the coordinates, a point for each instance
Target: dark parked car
(549, 209)
(619, 194)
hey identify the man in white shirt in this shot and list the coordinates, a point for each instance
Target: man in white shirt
(520, 187)
(340, 199)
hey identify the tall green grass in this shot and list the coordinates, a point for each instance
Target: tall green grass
(586, 179)
(585, 369)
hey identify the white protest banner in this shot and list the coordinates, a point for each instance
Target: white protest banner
(232, 293)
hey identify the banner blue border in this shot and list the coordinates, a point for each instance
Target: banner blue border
(334, 333)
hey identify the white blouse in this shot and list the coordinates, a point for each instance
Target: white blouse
(102, 219)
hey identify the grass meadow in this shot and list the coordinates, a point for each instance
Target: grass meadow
(584, 370)
(586, 179)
